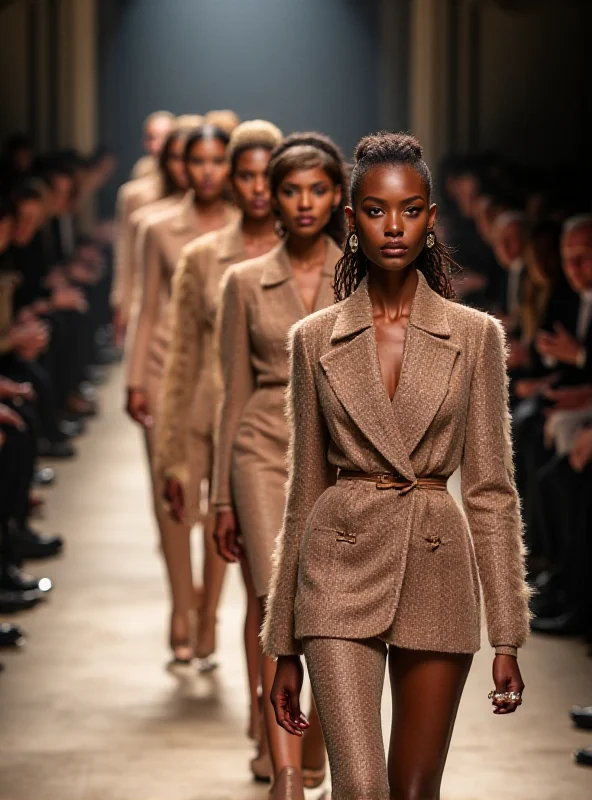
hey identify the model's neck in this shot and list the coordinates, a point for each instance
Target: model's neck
(306, 249)
(258, 228)
(392, 291)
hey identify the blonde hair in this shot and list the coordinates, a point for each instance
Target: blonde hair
(188, 122)
(250, 134)
(225, 119)
(157, 115)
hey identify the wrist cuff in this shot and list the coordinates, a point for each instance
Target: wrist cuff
(506, 650)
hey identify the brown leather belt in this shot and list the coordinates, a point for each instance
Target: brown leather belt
(390, 480)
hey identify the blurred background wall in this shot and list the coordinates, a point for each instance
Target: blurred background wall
(464, 75)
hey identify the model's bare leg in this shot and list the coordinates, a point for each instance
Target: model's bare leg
(175, 547)
(252, 652)
(214, 570)
(426, 690)
(285, 750)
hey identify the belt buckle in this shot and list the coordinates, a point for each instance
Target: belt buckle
(386, 480)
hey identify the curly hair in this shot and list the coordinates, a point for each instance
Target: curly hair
(397, 149)
(306, 151)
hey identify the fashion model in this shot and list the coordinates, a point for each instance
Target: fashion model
(191, 383)
(158, 186)
(202, 210)
(174, 182)
(261, 300)
(391, 389)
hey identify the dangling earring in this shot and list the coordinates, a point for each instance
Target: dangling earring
(430, 240)
(280, 228)
(354, 243)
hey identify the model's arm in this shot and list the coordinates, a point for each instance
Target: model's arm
(238, 382)
(149, 254)
(490, 498)
(182, 368)
(123, 286)
(309, 475)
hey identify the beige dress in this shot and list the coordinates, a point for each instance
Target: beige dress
(357, 560)
(260, 303)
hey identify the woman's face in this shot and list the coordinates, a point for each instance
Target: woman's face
(305, 200)
(392, 216)
(250, 184)
(175, 165)
(208, 169)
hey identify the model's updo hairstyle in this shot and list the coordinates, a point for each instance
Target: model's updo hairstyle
(396, 149)
(306, 151)
(204, 133)
(250, 135)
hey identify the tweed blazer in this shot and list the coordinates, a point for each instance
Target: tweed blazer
(192, 382)
(260, 302)
(159, 248)
(355, 562)
(130, 197)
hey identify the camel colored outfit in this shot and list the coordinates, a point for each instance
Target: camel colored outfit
(260, 302)
(192, 382)
(144, 166)
(355, 561)
(130, 197)
(160, 244)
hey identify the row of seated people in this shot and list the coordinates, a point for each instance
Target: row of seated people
(523, 240)
(55, 342)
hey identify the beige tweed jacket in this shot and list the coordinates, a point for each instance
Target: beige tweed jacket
(130, 197)
(192, 383)
(353, 561)
(145, 165)
(159, 249)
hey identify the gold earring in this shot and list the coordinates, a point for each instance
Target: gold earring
(354, 243)
(280, 228)
(430, 240)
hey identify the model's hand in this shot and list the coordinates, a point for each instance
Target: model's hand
(137, 407)
(226, 536)
(285, 695)
(175, 497)
(506, 678)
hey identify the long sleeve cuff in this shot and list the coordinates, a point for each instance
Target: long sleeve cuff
(506, 650)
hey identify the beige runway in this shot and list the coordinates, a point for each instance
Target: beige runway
(89, 712)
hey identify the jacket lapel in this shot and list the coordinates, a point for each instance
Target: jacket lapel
(353, 371)
(427, 365)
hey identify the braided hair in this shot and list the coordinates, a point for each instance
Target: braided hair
(306, 151)
(397, 149)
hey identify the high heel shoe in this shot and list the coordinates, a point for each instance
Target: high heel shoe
(287, 786)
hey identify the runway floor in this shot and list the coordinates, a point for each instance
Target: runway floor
(88, 710)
